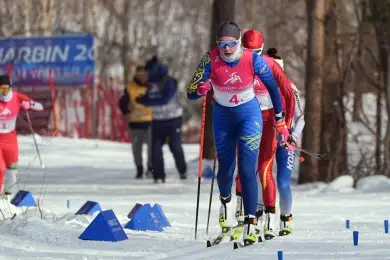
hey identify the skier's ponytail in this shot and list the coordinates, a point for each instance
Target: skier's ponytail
(271, 52)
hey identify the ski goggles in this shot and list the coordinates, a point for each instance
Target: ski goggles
(257, 51)
(5, 90)
(230, 44)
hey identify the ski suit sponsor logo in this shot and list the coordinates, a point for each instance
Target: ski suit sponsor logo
(253, 141)
(5, 112)
(257, 82)
(298, 101)
(233, 78)
(263, 69)
(199, 72)
(290, 160)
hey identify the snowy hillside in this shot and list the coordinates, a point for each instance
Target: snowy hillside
(81, 170)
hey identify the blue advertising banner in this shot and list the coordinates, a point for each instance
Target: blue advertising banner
(69, 58)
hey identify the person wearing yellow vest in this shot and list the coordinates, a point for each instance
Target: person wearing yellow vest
(140, 119)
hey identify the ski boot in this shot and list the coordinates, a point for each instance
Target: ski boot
(269, 224)
(223, 212)
(260, 220)
(239, 214)
(250, 235)
(285, 225)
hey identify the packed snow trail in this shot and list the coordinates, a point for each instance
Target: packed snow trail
(81, 170)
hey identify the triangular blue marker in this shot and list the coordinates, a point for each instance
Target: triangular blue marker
(161, 216)
(23, 199)
(136, 207)
(89, 208)
(144, 219)
(105, 227)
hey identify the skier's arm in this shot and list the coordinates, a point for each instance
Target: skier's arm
(202, 74)
(284, 88)
(168, 92)
(124, 102)
(263, 71)
(28, 103)
(298, 115)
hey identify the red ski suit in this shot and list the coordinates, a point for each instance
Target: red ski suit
(9, 150)
(268, 142)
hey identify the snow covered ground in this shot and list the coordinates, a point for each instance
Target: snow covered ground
(81, 170)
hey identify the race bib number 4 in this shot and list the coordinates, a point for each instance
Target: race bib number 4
(233, 99)
(239, 98)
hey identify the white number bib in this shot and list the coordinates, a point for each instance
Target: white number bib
(7, 125)
(228, 99)
(265, 101)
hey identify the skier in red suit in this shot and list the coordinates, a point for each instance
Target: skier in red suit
(254, 40)
(10, 104)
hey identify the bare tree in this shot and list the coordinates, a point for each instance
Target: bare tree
(223, 10)
(337, 67)
(46, 7)
(380, 17)
(316, 11)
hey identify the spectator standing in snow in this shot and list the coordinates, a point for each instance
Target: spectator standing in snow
(140, 119)
(163, 97)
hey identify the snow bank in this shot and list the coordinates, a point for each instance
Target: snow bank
(310, 188)
(375, 183)
(342, 183)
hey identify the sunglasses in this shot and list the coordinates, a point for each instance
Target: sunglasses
(223, 44)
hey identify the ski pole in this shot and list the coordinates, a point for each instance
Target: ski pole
(318, 156)
(35, 140)
(211, 194)
(200, 162)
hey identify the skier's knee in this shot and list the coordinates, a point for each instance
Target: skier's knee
(13, 166)
(283, 185)
(221, 178)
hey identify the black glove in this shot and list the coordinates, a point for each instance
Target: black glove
(291, 140)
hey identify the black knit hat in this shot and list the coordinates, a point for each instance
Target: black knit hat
(150, 63)
(5, 80)
(229, 29)
(272, 52)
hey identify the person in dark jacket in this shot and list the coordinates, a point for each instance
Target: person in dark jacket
(140, 119)
(163, 97)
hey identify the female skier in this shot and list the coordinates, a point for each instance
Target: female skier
(10, 104)
(285, 159)
(230, 71)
